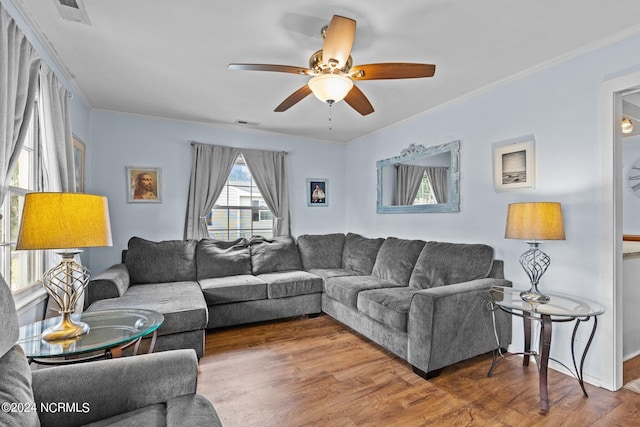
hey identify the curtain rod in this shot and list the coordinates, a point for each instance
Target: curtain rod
(192, 143)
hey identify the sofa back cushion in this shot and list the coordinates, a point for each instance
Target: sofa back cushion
(218, 258)
(321, 251)
(271, 255)
(159, 262)
(359, 253)
(442, 263)
(396, 259)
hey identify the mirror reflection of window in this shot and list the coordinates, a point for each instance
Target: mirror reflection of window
(425, 193)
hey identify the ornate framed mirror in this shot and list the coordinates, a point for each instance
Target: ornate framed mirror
(420, 180)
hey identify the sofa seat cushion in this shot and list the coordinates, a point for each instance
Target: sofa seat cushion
(346, 289)
(217, 258)
(396, 259)
(222, 290)
(158, 262)
(442, 263)
(359, 253)
(321, 251)
(389, 306)
(181, 303)
(291, 283)
(327, 273)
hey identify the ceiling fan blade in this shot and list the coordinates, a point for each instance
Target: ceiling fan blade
(392, 70)
(338, 40)
(293, 99)
(356, 99)
(272, 67)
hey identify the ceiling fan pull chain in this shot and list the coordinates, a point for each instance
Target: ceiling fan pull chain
(330, 124)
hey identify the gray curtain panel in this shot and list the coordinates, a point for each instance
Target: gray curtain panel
(211, 167)
(269, 171)
(408, 179)
(54, 134)
(439, 180)
(19, 65)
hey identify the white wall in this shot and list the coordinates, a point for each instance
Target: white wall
(119, 140)
(560, 107)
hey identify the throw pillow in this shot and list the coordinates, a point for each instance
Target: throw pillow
(396, 259)
(217, 258)
(159, 262)
(271, 255)
(442, 263)
(321, 251)
(359, 253)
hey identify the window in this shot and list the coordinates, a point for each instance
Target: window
(425, 193)
(240, 211)
(21, 269)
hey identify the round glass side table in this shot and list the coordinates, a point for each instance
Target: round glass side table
(111, 331)
(559, 308)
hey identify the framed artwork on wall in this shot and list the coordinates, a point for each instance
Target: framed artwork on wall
(514, 164)
(144, 184)
(317, 192)
(78, 164)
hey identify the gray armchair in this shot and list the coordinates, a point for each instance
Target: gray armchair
(147, 390)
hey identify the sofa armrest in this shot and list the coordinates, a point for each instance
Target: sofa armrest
(111, 283)
(106, 388)
(448, 324)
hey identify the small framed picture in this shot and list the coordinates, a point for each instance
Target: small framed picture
(144, 185)
(78, 164)
(514, 164)
(317, 192)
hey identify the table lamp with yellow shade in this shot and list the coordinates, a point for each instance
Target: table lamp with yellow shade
(533, 222)
(65, 222)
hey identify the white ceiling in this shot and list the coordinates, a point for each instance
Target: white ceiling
(169, 58)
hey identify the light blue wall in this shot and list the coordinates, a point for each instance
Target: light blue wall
(120, 140)
(560, 106)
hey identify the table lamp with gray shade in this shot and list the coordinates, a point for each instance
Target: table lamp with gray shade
(533, 222)
(65, 222)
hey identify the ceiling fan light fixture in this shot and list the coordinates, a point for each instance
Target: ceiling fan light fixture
(330, 88)
(627, 125)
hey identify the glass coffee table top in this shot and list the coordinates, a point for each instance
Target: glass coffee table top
(558, 304)
(108, 329)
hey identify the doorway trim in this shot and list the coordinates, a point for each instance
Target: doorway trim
(611, 353)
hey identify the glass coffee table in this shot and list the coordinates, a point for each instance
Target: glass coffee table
(559, 308)
(111, 332)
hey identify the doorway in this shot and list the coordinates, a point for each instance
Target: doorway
(611, 277)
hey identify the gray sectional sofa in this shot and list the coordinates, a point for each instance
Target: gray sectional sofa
(423, 301)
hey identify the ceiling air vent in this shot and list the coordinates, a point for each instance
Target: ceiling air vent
(246, 123)
(72, 10)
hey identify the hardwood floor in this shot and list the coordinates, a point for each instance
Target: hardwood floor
(317, 372)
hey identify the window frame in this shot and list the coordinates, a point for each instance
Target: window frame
(25, 294)
(252, 209)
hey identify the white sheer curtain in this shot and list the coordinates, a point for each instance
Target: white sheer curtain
(269, 171)
(408, 180)
(439, 180)
(209, 171)
(19, 64)
(54, 134)
(55, 141)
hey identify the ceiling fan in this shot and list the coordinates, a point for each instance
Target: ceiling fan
(333, 73)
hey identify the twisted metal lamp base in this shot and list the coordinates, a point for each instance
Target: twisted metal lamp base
(65, 284)
(535, 263)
